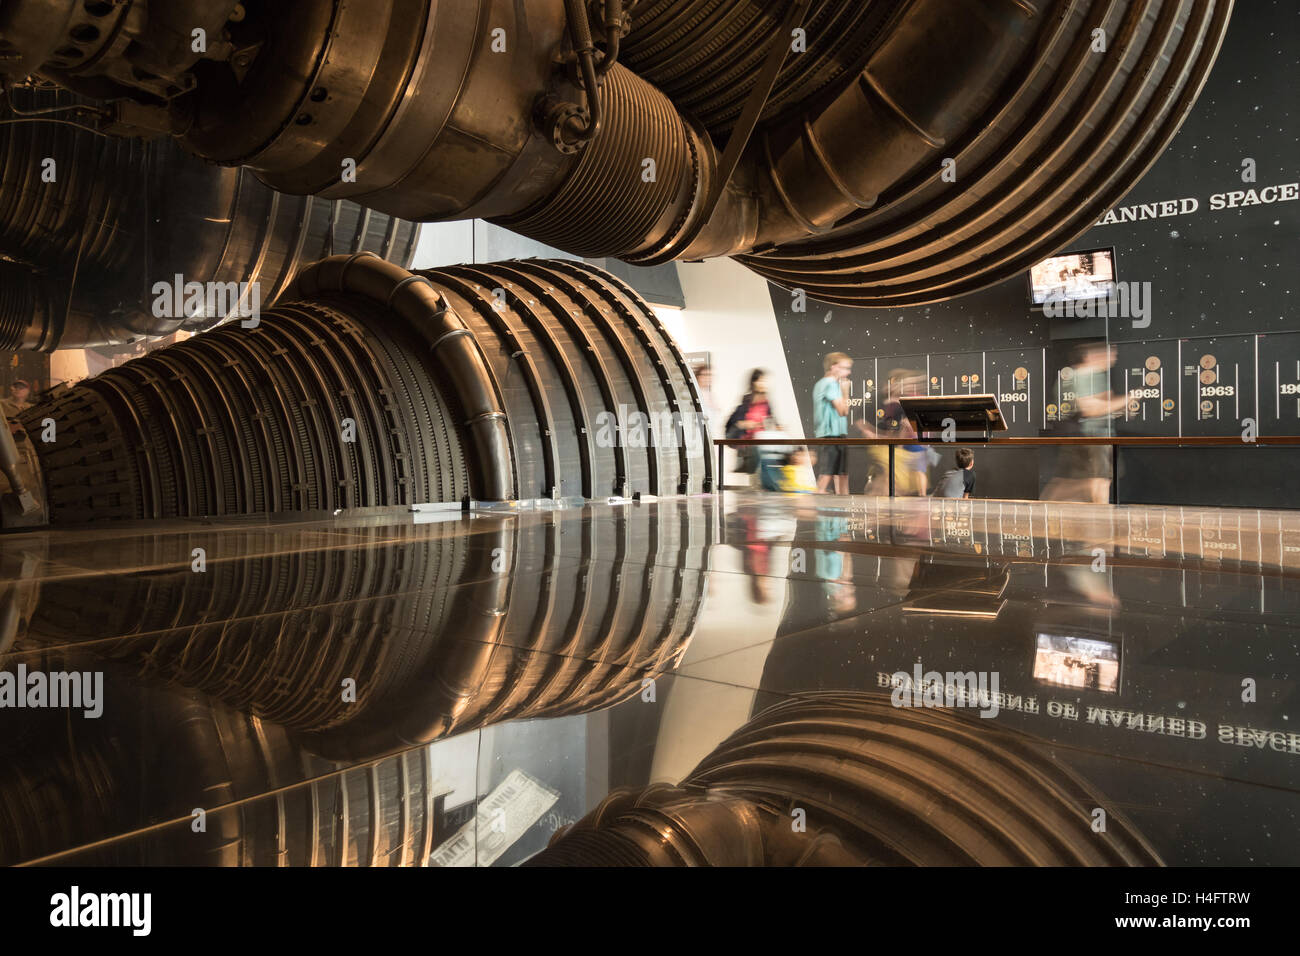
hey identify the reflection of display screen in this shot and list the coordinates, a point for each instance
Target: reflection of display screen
(1079, 275)
(1087, 663)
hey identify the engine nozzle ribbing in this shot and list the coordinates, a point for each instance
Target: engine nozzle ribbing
(884, 153)
(877, 784)
(91, 224)
(370, 385)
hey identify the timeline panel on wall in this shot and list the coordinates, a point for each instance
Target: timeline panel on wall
(955, 373)
(1015, 376)
(1147, 372)
(863, 393)
(1217, 388)
(1279, 383)
(1059, 393)
(877, 382)
(1193, 386)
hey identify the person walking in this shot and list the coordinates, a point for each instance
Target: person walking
(911, 461)
(752, 415)
(831, 420)
(1084, 471)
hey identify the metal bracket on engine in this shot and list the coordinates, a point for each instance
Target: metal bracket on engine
(778, 50)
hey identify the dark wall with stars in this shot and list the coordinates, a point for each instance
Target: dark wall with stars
(1223, 307)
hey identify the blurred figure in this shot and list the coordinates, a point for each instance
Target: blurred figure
(791, 473)
(830, 420)
(911, 463)
(1083, 472)
(752, 415)
(704, 381)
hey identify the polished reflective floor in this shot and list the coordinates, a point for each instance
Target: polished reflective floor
(761, 680)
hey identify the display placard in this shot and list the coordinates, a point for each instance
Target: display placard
(1279, 383)
(955, 373)
(1015, 376)
(1218, 384)
(1147, 373)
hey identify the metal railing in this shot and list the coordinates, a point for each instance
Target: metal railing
(1114, 441)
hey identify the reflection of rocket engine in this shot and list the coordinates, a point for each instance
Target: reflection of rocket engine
(836, 778)
(444, 628)
(122, 790)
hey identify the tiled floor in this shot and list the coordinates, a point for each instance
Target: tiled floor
(349, 689)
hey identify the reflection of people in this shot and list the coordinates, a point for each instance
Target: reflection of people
(835, 566)
(16, 402)
(1084, 471)
(830, 420)
(756, 553)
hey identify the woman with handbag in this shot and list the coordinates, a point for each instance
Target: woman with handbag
(752, 415)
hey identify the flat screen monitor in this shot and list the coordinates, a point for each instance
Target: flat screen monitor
(1083, 662)
(1076, 275)
(927, 413)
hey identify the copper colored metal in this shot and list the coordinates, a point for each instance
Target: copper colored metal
(90, 225)
(371, 386)
(878, 785)
(908, 150)
(217, 679)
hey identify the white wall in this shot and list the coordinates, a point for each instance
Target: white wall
(72, 365)
(729, 314)
(466, 241)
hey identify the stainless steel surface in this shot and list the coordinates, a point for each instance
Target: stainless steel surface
(708, 671)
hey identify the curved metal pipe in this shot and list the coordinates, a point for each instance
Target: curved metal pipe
(906, 151)
(1035, 163)
(451, 347)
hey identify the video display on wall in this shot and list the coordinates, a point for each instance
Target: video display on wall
(1084, 663)
(1079, 275)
